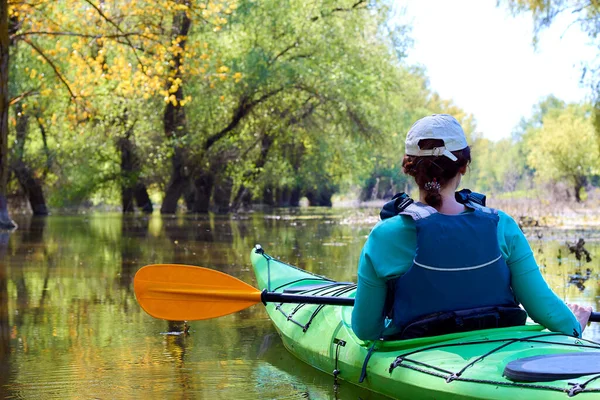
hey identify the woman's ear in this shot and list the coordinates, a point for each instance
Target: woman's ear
(463, 170)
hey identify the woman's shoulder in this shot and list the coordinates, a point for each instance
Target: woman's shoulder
(506, 218)
(397, 225)
(513, 236)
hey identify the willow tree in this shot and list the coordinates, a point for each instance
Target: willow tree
(564, 147)
(319, 80)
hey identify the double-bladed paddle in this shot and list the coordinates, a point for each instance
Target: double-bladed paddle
(178, 292)
(185, 293)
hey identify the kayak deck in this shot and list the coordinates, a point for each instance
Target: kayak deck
(459, 365)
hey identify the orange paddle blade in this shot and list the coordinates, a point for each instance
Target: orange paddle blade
(184, 293)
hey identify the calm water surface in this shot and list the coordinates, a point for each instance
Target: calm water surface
(75, 330)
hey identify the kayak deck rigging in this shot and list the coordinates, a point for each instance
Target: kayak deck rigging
(334, 290)
(449, 376)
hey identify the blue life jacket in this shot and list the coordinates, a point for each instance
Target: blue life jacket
(458, 265)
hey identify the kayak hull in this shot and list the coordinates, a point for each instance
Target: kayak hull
(441, 367)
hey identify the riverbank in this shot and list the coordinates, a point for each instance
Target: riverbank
(529, 213)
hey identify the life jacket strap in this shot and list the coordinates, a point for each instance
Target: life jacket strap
(402, 204)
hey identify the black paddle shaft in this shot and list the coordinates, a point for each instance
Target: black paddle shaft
(271, 297)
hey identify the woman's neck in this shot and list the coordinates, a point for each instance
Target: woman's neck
(449, 204)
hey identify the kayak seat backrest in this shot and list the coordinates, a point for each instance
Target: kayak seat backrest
(474, 319)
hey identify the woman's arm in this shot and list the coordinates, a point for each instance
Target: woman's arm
(528, 284)
(368, 315)
(387, 253)
(540, 302)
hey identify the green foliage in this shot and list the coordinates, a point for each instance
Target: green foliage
(334, 94)
(564, 147)
(285, 95)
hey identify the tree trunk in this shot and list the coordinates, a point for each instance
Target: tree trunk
(127, 205)
(125, 147)
(177, 185)
(131, 187)
(174, 120)
(370, 189)
(295, 197)
(31, 186)
(243, 198)
(580, 182)
(269, 196)
(320, 198)
(222, 194)
(5, 221)
(142, 198)
(203, 186)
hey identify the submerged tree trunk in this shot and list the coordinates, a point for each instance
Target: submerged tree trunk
(131, 187)
(580, 182)
(320, 197)
(142, 198)
(174, 120)
(268, 196)
(31, 186)
(222, 194)
(5, 221)
(125, 147)
(177, 184)
(295, 197)
(203, 187)
(243, 198)
(33, 189)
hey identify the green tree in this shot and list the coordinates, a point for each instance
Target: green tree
(564, 147)
(319, 79)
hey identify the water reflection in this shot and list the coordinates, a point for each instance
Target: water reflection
(578, 279)
(5, 349)
(70, 326)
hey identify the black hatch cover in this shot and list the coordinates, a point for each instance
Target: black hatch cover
(553, 367)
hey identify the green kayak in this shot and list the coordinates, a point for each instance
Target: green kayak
(467, 365)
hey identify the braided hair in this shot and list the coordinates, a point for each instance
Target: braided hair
(432, 173)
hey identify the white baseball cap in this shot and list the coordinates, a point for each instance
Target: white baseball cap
(437, 126)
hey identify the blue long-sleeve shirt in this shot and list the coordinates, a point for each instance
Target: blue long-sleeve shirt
(389, 252)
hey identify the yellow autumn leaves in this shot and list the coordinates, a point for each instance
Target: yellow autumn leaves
(127, 48)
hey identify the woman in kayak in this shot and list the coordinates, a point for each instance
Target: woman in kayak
(446, 265)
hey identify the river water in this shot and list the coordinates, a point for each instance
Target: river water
(75, 330)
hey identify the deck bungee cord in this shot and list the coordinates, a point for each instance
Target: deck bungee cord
(336, 293)
(449, 376)
(334, 289)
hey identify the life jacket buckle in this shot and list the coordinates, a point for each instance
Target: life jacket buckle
(405, 202)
